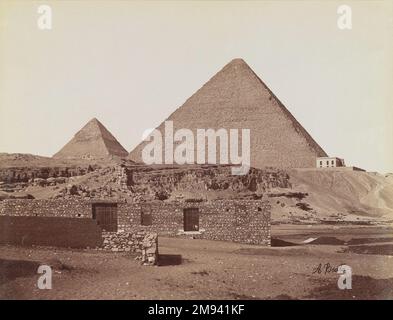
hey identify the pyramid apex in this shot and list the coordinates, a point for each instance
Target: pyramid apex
(94, 120)
(237, 61)
(95, 123)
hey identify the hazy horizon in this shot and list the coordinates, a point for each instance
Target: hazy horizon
(131, 64)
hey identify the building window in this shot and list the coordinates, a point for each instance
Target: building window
(320, 163)
(146, 217)
(332, 162)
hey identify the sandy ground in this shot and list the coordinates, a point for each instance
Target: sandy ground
(202, 269)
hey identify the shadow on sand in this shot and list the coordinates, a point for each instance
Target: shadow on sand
(169, 259)
(281, 243)
(12, 269)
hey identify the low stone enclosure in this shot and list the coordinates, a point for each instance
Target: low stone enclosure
(131, 227)
(142, 242)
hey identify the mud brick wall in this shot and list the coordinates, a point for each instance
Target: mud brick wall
(50, 231)
(245, 221)
(46, 208)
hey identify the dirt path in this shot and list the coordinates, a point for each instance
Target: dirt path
(206, 270)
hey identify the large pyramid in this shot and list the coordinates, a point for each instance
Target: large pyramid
(235, 98)
(93, 141)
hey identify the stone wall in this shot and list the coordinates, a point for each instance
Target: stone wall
(245, 221)
(46, 208)
(142, 242)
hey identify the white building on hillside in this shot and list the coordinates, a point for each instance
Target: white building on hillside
(329, 162)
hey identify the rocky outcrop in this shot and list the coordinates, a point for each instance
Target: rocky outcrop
(161, 183)
(33, 174)
(140, 182)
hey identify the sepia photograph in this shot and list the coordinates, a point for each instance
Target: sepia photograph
(214, 152)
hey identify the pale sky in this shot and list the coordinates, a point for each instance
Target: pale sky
(131, 64)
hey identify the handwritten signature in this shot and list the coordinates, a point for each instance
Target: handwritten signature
(325, 268)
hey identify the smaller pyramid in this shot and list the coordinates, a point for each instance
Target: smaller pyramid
(93, 141)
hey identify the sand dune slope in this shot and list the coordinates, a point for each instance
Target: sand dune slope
(353, 192)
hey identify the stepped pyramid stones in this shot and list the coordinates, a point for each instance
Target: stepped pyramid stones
(235, 98)
(93, 141)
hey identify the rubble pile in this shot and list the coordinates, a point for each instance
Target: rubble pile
(144, 243)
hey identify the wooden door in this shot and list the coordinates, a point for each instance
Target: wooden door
(191, 219)
(106, 216)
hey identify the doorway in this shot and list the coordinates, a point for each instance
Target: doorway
(191, 219)
(106, 216)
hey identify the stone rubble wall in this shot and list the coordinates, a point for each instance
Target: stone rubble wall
(243, 221)
(145, 243)
(46, 208)
(121, 176)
